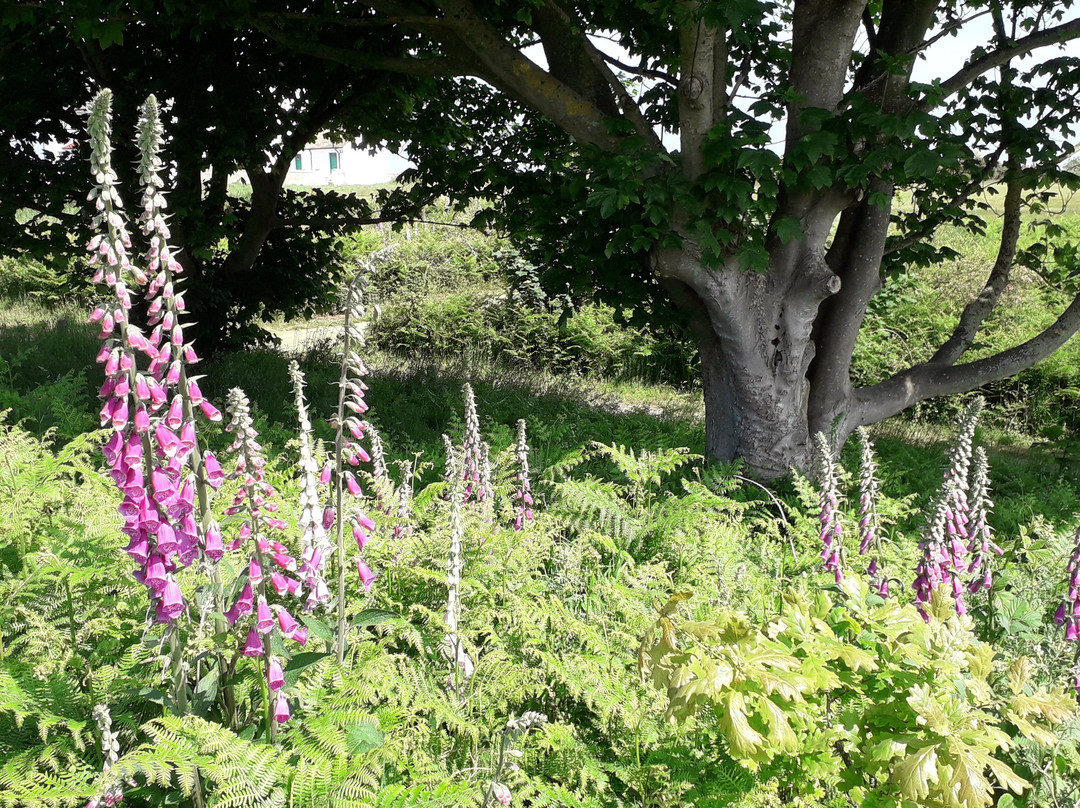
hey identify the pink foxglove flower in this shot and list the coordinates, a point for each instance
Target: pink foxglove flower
(253, 645)
(981, 546)
(869, 522)
(281, 709)
(159, 499)
(1068, 613)
(523, 495)
(350, 431)
(829, 513)
(268, 558)
(275, 677)
(501, 793)
(944, 544)
(367, 577)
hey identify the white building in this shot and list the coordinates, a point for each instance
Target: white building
(325, 163)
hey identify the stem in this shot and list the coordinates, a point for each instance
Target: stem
(498, 771)
(176, 649)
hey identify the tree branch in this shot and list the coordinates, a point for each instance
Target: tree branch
(868, 26)
(501, 64)
(928, 226)
(948, 29)
(1041, 39)
(641, 71)
(980, 308)
(433, 67)
(897, 393)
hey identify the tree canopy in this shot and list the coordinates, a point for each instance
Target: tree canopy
(236, 101)
(646, 172)
(770, 252)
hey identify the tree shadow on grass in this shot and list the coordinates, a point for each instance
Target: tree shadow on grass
(414, 403)
(48, 378)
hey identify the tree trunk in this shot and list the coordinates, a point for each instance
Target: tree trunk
(753, 334)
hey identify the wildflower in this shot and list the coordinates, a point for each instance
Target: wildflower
(501, 793)
(157, 469)
(943, 545)
(253, 499)
(869, 523)
(524, 488)
(829, 514)
(980, 544)
(281, 709)
(380, 474)
(471, 449)
(275, 676)
(367, 577)
(314, 541)
(113, 793)
(1068, 612)
(253, 645)
(402, 526)
(452, 648)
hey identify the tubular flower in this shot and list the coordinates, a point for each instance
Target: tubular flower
(944, 544)
(523, 495)
(113, 793)
(348, 449)
(869, 523)
(453, 649)
(471, 448)
(403, 520)
(380, 474)
(486, 489)
(316, 543)
(1068, 613)
(150, 453)
(828, 502)
(981, 545)
(268, 558)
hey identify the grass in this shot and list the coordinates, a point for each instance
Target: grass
(49, 380)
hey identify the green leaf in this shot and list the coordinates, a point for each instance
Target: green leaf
(923, 163)
(361, 738)
(372, 617)
(318, 628)
(788, 229)
(916, 772)
(207, 687)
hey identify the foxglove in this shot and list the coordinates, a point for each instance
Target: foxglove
(944, 543)
(471, 449)
(829, 507)
(981, 546)
(317, 547)
(452, 648)
(267, 557)
(150, 454)
(523, 494)
(869, 522)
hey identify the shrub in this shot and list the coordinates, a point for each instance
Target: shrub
(587, 341)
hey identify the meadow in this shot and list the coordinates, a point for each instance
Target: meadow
(544, 596)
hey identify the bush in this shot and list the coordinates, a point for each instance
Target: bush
(588, 341)
(50, 282)
(426, 258)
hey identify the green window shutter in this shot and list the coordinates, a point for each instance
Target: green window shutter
(299, 163)
(333, 161)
